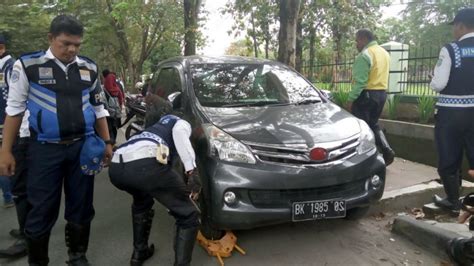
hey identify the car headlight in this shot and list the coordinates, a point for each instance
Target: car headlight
(367, 140)
(227, 148)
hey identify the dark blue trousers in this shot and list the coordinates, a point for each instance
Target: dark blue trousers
(50, 166)
(454, 133)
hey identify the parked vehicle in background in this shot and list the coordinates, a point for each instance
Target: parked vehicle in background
(134, 108)
(271, 148)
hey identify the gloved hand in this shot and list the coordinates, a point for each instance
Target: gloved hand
(193, 184)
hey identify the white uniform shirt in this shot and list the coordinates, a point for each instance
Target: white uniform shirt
(181, 134)
(19, 88)
(443, 68)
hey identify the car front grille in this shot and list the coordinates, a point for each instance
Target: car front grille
(298, 154)
(284, 198)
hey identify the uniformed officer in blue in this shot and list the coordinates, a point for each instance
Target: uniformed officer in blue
(454, 128)
(6, 65)
(18, 248)
(60, 90)
(143, 167)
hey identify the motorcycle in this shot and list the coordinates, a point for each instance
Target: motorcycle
(134, 107)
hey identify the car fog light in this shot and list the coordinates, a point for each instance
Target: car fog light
(375, 181)
(230, 197)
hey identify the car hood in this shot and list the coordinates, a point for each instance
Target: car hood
(289, 124)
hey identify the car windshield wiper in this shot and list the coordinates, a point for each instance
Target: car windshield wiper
(259, 103)
(308, 101)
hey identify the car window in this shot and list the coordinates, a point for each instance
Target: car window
(166, 82)
(227, 85)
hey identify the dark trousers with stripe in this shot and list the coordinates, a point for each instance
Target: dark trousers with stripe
(454, 134)
(50, 166)
(146, 179)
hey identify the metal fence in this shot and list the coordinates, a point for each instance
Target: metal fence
(415, 67)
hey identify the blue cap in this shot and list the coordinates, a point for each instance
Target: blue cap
(465, 16)
(2, 39)
(92, 152)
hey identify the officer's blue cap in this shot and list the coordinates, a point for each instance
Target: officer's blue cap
(2, 39)
(465, 16)
(91, 155)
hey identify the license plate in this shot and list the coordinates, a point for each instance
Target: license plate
(314, 210)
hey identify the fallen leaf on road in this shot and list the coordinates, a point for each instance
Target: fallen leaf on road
(418, 213)
(383, 259)
(379, 216)
(445, 263)
(417, 252)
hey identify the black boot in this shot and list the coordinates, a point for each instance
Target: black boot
(77, 241)
(461, 251)
(38, 251)
(451, 203)
(19, 248)
(382, 143)
(15, 251)
(184, 244)
(141, 232)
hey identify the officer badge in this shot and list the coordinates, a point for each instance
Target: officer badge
(45, 72)
(85, 74)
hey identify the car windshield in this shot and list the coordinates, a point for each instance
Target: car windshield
(234, 85)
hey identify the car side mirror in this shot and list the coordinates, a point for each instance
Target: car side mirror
(175, 99)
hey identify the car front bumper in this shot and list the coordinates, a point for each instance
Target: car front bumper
(265, 192)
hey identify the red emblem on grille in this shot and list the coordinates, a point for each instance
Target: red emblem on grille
(318, 154)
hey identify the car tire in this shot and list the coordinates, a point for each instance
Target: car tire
(357, 213)
(207, 229)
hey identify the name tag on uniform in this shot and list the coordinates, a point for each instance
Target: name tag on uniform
(85, 74)
(46, 81)
(45, 73)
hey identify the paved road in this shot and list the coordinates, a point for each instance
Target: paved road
(336, 242)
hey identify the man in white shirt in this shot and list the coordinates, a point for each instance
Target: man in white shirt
(454, 129)
(143, 167)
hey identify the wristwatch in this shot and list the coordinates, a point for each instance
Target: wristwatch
(109, 141)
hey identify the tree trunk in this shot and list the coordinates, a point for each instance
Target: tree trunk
(254, 35)
(299, 38)
(191, 11)
(312, 52)
(287, 34)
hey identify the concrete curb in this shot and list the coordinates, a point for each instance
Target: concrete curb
(424, 234)
(403, 200)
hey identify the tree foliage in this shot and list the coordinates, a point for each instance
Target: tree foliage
(127, 36)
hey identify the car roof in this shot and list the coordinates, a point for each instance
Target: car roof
(224, 59)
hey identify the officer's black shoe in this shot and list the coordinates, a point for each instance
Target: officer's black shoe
(453, 207)
(15, 251)
(461, 251)
(141, 232)
(388, 156)
(38, 251)
(382, 143)
(184, 244)
(16, 233)
(77, 240)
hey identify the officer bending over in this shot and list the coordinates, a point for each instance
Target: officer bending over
(143, 167)
(60, 90)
